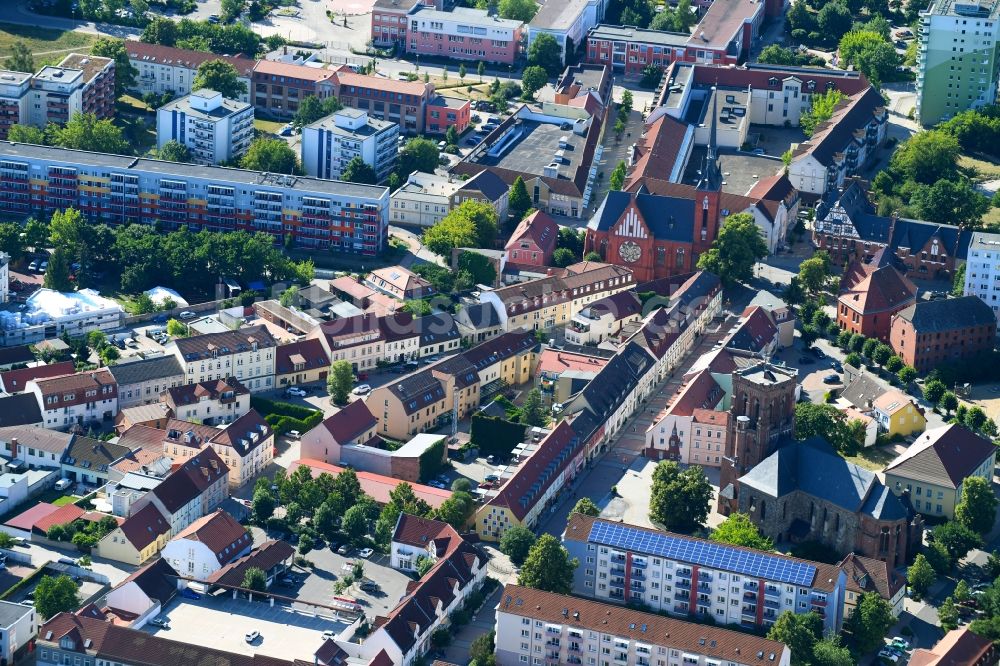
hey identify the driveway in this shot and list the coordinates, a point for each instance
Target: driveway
(482, 622)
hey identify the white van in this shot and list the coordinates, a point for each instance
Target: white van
(63, 484)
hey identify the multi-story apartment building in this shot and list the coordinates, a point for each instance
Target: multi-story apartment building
(552, 301)
(390, 18)
(142, 382)
(629, 49)
(246, 354)
(356, 339)
(193, 490)
(982, 270)
(15, 89)
(166, 69)
(423, 200)
(215, 402)
(685, 575)
(214, 129)
(78, 84)
(279, 87)
(532, 625)
(567, 22)
(329, 144)
(119, 189)
(76, 400)
(958, 61)
(402, 102)
(604, 319)
(930, 333)
(18, 629)
(464, 33)
(246, 446)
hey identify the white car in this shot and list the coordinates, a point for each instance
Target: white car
(44, 266)
(362, 389)
(365, 553)
(252, 636)
(296, 392)
(187, 314)
(329, 635)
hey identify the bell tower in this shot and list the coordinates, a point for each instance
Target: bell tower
(707, 211)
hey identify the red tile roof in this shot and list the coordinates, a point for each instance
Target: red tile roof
(866, 575)
(67, 513)
(539, 228)
(189, 394)
(379, 83)
(168, 55)
(77, 386)
(758, 77)
(885, 289)
(557, 361)
(13, 381)
(191, 479)
(144, 526)
(349, 422)
(659, 150)
(959, 647)
(376, 486)
(309, 353)
(27, 519)
(418, 531)
(292, 71)
(265, 558)
(221, 533)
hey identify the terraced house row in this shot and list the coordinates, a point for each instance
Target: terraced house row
(118, 189)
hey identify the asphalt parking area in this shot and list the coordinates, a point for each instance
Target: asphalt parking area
(317, 588)
(222, 622)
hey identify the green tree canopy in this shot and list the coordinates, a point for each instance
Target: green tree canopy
(222, 77)
(472, 224)
(949, 202)
(548, 566)
(533, 412)
(870, 53)
(21, 59)
(272, 155)
(518, 201)
(738, 247)
(834, 20)
(956, 538)
(871, 620)
(518, 10)
(255, 579)
(418, 154)
(26, 134)
(927, 157)
(516, 542)
(738, 530)
(586, 506)
(478, 266)
(826, 421)
(821, 108)
(679, 499)
(359, 171)
(175, 151)
(339, 381)
(125, 73)
(978, 509)
(813, 274)
(313, 108)
(920, 576)
(54, 595)
(85, 132)
(57, 274)
(799, 632)
(533, 78)
(545, 52)
(829, 652)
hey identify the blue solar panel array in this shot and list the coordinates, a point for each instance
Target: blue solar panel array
(703, 553)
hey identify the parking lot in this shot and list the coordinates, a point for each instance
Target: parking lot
(222, 622)
(330, 567)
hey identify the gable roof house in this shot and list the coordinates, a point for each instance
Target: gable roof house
(868, 306)
(207, 545)
(70, 401)
(142, 595)
(865, 574)
(193, 490)
(138, 538)
(87, 460)
(300, 362)
(212, 402)
(354, 424)
(33, 446)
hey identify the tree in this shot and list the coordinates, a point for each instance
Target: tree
(546, 53)
(957, 539)
(478, 266)
(948, 614)
(313, 108)
(548, 567)
(21, 59)
(738, 247)
(518, 10)
(482, 648)
(618, 176)
(516, 543)
(950, 202)
(975, 418)
(230, 10)
(563, 257)
(870, 621)
(938, 557)
(85, 132)
(821, 109)
(418, 155)
(868, 349)
(355, 523)
(26, 134)
(881, 354)
(933, 391)
(949, 401)
(799, 632)
(359, 171)
(826, 421)
(533, 412)
(992, 564)
(263, 504)
(222, 77)
(451, 136)
(54, 595)
(920, 576)
(175, 151)
(738, 530)
(962, 592)
(679, 499)
(457, 510)
(586, 506)
(472, 224)
(813, 275)
(57, 274)
(518, 201)
(774, 54)
(978, 508)
(160, 30)
(907, 374)
(255, 579)
(533, 78)
(829, 652)
(869, 53)
(339, 381)
(480, 68)
(273, 155)
(927, 157)
(834, 21)
(125, 73)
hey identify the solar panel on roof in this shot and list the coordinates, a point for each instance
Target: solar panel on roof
(719, 556)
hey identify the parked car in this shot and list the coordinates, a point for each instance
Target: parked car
(158, 622)
(187, 314)
(365, 553)
(806, 360)
(362, 389)
(888, 655)
(901, 643)
(292, 390)
(831, 379)
(42, 267)
(329, 635)
(369, 586)
(252, 636)
(188, 593)
(836, 366)
(33, 267)
(344, 550)
(492, 478)
(817, 352)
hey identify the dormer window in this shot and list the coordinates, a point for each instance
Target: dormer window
(67, 643)
(773, 81)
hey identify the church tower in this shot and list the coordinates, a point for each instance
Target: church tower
(707, 215)
(762, 415)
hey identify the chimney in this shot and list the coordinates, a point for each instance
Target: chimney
(13, 448)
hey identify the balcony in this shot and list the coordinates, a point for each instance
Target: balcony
(704, 587)
(683, 573)
(750, 596)
(750, 585)
(617, 571)
(770, 603)
(638, 575)
(771, 591)
(681, 596)
(683, 584)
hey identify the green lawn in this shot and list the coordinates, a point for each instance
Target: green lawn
(64, 500)
(874, 458)
(270, 126)
(987, 170)
(42, 40)
(140, 131)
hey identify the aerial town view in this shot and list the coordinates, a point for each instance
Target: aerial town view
(499, 332)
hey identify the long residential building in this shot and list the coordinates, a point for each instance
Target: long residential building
(246, 354)
(533, 624)
(38, 180)
(464, 33)
(685, 575)
(167, 69)
(982, 270)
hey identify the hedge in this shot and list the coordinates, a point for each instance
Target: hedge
(284, 424)
(495, 436)
(431, 460)
(267, 407)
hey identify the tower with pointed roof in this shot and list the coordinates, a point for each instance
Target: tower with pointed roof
(709, 188)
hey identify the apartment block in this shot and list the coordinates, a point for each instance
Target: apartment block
(464, 33)
(401, 102)
(423, 200)
(81, 399)
(329, 144)
(930, 333)
(18, 630)
(532, 625)
(166, 69)
(78, 84)
(279, 87)
(15, 88)
(685, 575)
(214, 129)
(444, 112)
(118, 189)
(982, 270)
(629, 49)
(567, 22)
(246, 354)
(958, 60)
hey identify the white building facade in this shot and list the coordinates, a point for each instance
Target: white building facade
(423, 200)
(982, 270)
(214, 129)
(329, 144)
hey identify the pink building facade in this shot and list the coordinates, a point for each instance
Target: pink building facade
(464, 34)
(444, 112)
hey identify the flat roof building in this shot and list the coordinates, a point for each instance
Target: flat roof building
(329, 144)
(213, 129)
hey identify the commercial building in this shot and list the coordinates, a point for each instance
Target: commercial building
(958, 61)
(48, 313)
(76, 400)
(166, 69)
(982, 269)
(213, 129)
(246, 354)
(15, 88)
(279, 87)
(402, 102)
(119, 189)
(464, 33)
(567, 22)
(423, 200)
(531, 624)
(933, 470)
(78, 84)
(444, 112)
(627, 49)
(329, 144)
(685, 575)
(390, 19)
(930, 333)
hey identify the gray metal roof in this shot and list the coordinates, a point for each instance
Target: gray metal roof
(146, 370)
(11, 612)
